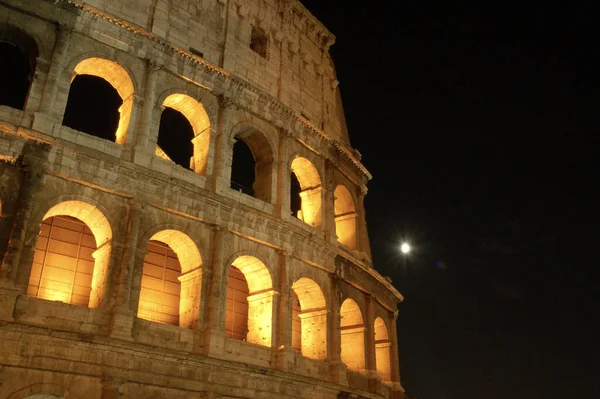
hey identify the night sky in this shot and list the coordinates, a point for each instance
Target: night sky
(479, 127)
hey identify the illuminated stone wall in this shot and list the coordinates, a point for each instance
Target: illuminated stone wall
(254, 71)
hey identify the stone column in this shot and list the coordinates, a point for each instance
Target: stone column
(337, 367)
(282, 351)
(328, 204)
(122, 317)
(363, 244)
(33, 164)
(283, 176)
(220, 179)
(395, 363)
(143, 151)
(371, 361)
(14, 275)
(214, 314)
(55, 72)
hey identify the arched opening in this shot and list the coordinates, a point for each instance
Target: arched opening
(256, 317)
(312, 313)
(14, 76)
(353, 335)
(171, 280)
(236, 317)
(18, 58)
(72, 255)
(93, 107)
(63, 262)
(345, 217)
(243, 168)
(90, 92)
(382, 350)
(310, 191)
(161, 290)
(252, 165)
(295, 199)
(175, 136)
(184, 133)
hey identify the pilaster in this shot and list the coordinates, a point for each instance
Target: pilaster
(334, 349)
(221, 171)
(143, 150)
(283, 176)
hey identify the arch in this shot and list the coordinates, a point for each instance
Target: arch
(41, 390)
(345, 217)
(196, 115)
(171, 279)
(16, 77)
(185, 248)
(259, 297)
(382, 349)
(313, 318)
(120, 80)
(353, 335)
(311, 192)
(78, 268)
(262, 152)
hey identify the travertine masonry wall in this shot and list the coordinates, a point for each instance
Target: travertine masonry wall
(284, 107)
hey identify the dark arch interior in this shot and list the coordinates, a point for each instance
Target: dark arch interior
(295, 200)
(14, 76)
(93, 107)
(175, 136)
(242, 168)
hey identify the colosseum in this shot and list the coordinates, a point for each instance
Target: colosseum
(181, 212)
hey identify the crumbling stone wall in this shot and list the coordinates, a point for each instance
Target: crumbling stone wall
(283, 104)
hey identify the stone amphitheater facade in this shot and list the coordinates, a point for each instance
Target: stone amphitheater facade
(126, 274)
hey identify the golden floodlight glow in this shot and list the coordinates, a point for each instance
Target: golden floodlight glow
(345, 217)
(179, 287)
(382, 350)
(313, 318)
(310, 194)
(198, 118)
(353, 335)
(118, 78)
(72, 255)
(260, 299)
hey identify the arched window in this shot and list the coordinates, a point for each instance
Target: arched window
(243, 168)
(257, 316)
(18, 55)
(353, 335)
(295, 198)
(382, 349)
(236, 318)
(63, 263)
(71, 255)
(90, 89)
(93, 107)
(310, 190)
(171, 280)
(184, 133)
(345, 217)
(252, 165)
(160, 292)
(312, 315)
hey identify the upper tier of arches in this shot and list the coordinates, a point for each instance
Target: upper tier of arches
(138, 111)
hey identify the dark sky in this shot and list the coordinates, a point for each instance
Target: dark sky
(479, 127)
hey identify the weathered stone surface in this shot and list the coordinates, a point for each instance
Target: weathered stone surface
(282, 100)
